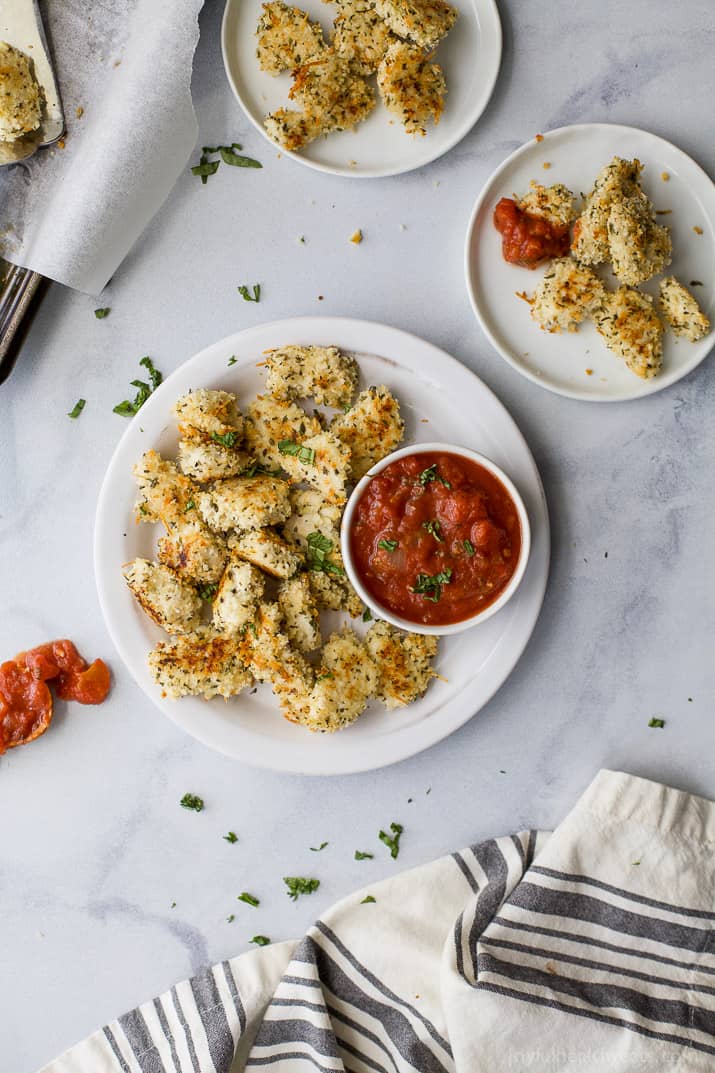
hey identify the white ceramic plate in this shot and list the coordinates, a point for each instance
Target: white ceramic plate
(440, 400)
(469, 55)
(576, 155)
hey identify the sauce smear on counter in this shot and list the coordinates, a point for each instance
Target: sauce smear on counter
(435, 538)
(528, 240)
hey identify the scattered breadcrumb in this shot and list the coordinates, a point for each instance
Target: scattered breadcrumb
(356, 237)
(681, 311)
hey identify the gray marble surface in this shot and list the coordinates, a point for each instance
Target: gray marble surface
(94, 846)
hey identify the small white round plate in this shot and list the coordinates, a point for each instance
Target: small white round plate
(576, 155)
(440, 400)
(469, 55)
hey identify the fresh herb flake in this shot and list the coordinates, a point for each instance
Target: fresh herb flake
(249, 899)
(431, 474)
(193, 802)
(297, 450)
(367, 900)
(319, 548)
(189, 506)
(255, 467)
(392, 841)
(100, 314)
(468, 547)
(235, 160)
(207, 592)
(226, 439)
(232, 360)
(388, 545)
(205, 168)
(77, 409)
(430, 585)
(300, 885)
(367, 615)
(433, 528)
(230, 837)
(246, 295)
(659, 723)
(261, 940)
(129, 409)
(360, 856)
(317, 849)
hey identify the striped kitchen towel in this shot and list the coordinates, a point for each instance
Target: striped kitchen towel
(591, 949)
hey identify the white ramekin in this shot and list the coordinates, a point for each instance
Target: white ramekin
(419, 627)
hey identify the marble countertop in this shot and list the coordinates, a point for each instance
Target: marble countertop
(95, 848)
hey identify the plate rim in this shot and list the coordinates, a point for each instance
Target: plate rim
(639, 391)
(413, 739)
(462, 131)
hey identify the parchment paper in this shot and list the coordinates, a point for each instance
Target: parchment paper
(124, 69)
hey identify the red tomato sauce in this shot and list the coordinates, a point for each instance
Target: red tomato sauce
(25, 699)
(528, 240)
(435, 538)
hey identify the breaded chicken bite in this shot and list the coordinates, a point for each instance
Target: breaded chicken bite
(330, 91)
(291, 129)
(210, 415)
(423, 21)
(344, 683)
(270, 422)
(553, 203)
(287, 38)
(566, 296)
(360, 34)
(411, 86)
(163, 492)
(21, 98)
(322, 461)
(192, 551)
(245, 503)
(266, 649)
(681, 311)
(265, 549)
(239, 593)
(210, 461)
(638, 247)
(168, 601)
(616, 181)
(310, 513)
(322, 373)
(630, 327)
(403, 661)
(300, 612)
(203, 663)
(333, 592)
(370, 429)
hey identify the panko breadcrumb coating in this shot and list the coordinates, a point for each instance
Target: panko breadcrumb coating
(311, 513)
(163, 492)
(322, 373)
(265, 549)
(202, 663)
(238, 595)
(423, 21)
(681, 311)
(331, 91)
(344, 682)
(638, 247)
(21, 97)
(287, 38)
(244, 503)
(411, 86)
(566, 296)
(267, 651)
(206, 415)
(630, 327)
(403, 661)
(210, 461)
(370, 429)
(167, 600)
(616, 181)
(333, 592)
(553, 203)
(192, 551)
(270, 422)
(300, 613)
(326, 467)
(360, 34)
(291, 129)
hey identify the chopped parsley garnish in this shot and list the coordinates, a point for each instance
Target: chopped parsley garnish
(190, 506)
(204, 168)
(433, 528)
(192, 801)
(319, 548)
(392, 841)
(300, 885)
(230, 918)
(232, 360)
(324, 674)
(656, 723)
(431, 474)
(207, 167)
(249, 899)
(230, 837)
(246, 294)
(77, 408)
(173, 905)
(367, 899)
(367, 615)
(100, 314)
(430, 585)
(388, 545)
(226, 439)
(360, 856)
(144, 390)
(303, 454)
(261, 940)
(254, 467)
(317, 849)
(207, 592)
(468, 547)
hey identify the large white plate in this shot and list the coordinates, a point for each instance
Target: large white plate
(470, 56)
(441, 400)
(576, 155)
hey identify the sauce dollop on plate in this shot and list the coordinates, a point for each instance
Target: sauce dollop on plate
(528, 240)
(435, 538)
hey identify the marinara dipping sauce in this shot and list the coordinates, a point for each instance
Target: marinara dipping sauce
(435, 538)
(528, 240)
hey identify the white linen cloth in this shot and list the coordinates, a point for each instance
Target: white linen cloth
(590, 949)
(124, 72)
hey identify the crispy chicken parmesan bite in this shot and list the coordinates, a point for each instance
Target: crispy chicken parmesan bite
(360, 34)
(423, 21)
(300, 612)
(170, 602)
(553, 203)
(270, 422)
(331, 92)
(630, 327)
(681, 311)
(239, 593)
(210, 461)
(21, 98)
(333, 592)
(202, 663)
(411, 86)
(266, 649)
(210, 415)
(323, 462)
(163, 492)
(617, 181)
(566, 296)
(370, 429)
(192, 551)
(291, 129)
(403, 661)
(322, 373)
(638, 247)
(245, 503)
(265, 549)
(287, 38)
(345, 681)
(310, 513)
